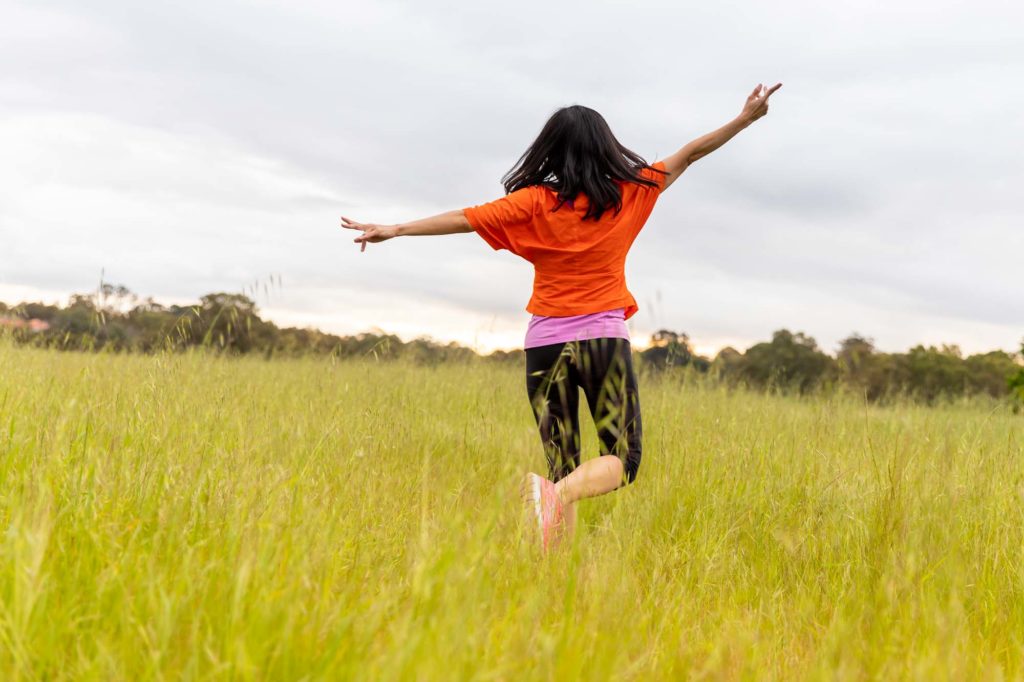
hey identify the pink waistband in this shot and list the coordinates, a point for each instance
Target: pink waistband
(544, 331)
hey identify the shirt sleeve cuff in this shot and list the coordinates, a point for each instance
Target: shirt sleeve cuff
(660, 178)
(473, 219)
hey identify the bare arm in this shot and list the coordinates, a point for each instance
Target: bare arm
(755, 107)
(452, 222)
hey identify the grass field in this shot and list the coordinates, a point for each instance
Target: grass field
(185, 517)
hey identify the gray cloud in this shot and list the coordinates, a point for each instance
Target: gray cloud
(205, 145)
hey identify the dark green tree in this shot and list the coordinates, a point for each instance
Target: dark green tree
(1016, 380)
(789, 362)
(672, 349)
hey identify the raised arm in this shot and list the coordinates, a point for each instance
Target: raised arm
(755, 107)
(452, 222)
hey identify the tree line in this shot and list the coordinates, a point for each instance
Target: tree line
(114, 319)
(792, 362)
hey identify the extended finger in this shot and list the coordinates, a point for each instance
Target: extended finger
(756, 89)
(772, 89)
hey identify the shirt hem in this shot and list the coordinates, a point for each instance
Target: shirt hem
(629, 304)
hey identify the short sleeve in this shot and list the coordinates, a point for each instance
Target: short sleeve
(648, 174)
(496, 221)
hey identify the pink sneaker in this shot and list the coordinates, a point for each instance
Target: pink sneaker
(546, 506)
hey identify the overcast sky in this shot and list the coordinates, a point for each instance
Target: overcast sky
(190, 147)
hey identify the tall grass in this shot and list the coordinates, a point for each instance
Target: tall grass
(184, 516)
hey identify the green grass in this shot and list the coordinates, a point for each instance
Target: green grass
(192, 517)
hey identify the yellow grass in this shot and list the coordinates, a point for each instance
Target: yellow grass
(189, 517)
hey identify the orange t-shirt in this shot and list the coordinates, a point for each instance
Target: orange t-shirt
(579, 265)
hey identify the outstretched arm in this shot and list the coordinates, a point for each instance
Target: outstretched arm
(755, 107)
(451, 222)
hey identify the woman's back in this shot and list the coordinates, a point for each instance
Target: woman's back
(579, 263)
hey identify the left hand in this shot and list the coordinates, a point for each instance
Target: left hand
(756, 105)
(372, 234)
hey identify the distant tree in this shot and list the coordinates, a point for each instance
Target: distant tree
(517, 356)
(228, 322)
(1016, 381)
(788, 362)
(726, 365)
(114, 298)
(854, 350)
(78, 319)
(39, 311)
(988, 373)
(150, 306)
(862, 368)
(700, 363)
(152, 326)
(930, 373)
(672, 349)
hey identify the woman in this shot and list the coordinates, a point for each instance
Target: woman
(575, 202)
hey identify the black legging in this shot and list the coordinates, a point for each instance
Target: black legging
(603, 368)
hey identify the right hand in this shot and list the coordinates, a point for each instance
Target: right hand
(757, 102)
(372, 233)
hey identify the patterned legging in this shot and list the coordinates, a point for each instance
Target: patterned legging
(603, 368)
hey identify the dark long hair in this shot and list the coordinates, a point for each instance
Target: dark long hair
(577, 152)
